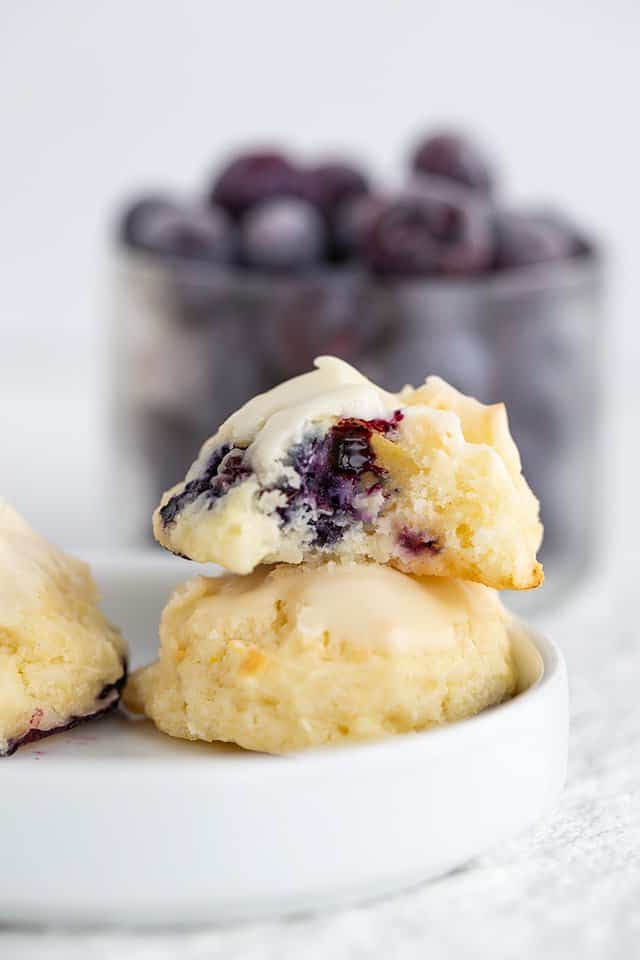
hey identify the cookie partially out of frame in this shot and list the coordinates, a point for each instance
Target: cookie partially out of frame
(61, 661)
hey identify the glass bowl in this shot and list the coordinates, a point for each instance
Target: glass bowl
(191, 343)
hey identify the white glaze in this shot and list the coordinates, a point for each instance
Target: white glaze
(273, 421)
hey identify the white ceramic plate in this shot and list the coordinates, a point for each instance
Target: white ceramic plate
(115, 823)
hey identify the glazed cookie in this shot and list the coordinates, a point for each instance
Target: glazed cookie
(60, 660)
(297, 656)
(328, 465)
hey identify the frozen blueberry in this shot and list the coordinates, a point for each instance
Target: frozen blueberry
(399, 240)
(352, 222)
(451, 155)
(430, 233)
(580, 244)
(328, 185)
(163, 226)
(283, 234)
(461, 225)
(133, 221)
(429, 185)
(254, 177)
(522, 239)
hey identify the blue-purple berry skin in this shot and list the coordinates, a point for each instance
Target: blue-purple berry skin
(225, 468)
(580, 244)
(35, 734)
(254, 177)
(285, 234)
(134, 219)
(332, 183)
(353, 222)
(436, 233)
(165, 227)
(455, 157)
(335, 470)
(417, 542)
(522, 239)
(399, 241)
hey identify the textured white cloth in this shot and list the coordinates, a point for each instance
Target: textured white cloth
(570, 887)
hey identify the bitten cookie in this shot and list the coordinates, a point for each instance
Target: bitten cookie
(60, 659)
(328, 465)
(299, 656)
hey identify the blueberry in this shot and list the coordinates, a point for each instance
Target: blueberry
(435, 232)
(336, 470)
(417, 542)
(327, 532)
(330, 184)
(431, 186)
(352, 222)
(351, 452)
(231, 471)
(461, 223)
(162, 226)
(106, 701)
(451, 155)
(204, 484)
(133, 222)
(522, 239)
(580, 244)
(253, 177)
(283, 234)
(399, 240)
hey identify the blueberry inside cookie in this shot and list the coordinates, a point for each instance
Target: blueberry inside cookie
(328, 465)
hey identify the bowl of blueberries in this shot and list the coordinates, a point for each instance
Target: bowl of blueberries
(225, 293)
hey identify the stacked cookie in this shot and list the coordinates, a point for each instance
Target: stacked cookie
(366, 534)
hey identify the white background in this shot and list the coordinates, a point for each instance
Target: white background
(97, 100)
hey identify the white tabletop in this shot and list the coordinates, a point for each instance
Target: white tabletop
(569, 887)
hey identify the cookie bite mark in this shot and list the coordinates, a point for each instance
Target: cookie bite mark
(330, 465)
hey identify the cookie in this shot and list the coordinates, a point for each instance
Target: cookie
(298, 656)
(61, 661)
(327, 465)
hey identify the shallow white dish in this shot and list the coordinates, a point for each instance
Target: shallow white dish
(115, 823)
